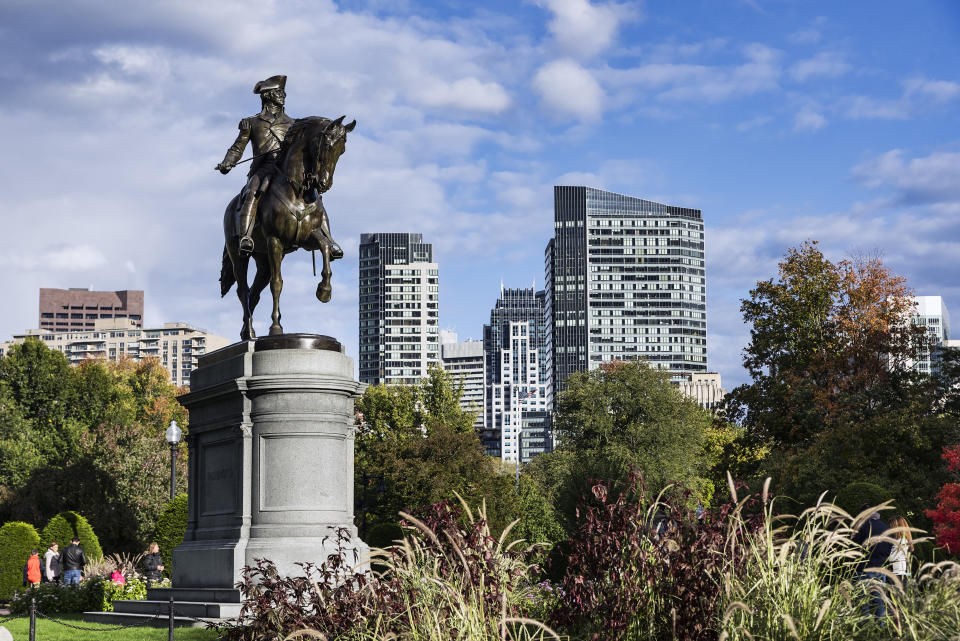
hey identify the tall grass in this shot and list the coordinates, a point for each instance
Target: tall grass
(800, 581)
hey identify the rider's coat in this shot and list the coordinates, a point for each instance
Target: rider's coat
(266, 131)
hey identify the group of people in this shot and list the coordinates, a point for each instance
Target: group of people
(892, 550)
(67, 567)
(56, 566)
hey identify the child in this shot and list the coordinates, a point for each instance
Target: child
(31, 571)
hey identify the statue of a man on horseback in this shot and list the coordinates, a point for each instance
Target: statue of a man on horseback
(280, 209)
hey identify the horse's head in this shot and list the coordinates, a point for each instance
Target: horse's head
(326, 150)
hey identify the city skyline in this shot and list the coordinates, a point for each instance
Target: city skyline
(780, 121)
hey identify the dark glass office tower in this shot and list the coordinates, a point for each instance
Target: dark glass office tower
(399, 308)
(626, 280)
(518, 392)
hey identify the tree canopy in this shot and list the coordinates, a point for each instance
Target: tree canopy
(833, 397)
(86, 438)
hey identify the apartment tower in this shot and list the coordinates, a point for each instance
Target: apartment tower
(399, 309)
(518, 391)
(625, 280)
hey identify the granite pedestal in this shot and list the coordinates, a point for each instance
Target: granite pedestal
(271, 458)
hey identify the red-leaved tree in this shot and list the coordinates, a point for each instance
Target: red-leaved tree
(946, 518)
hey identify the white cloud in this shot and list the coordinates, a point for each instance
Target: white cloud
(918, 94)
(467, 94)
(809, 119)
(59, 258)
(690, 82)
(582, 28)
(753, 123)
(826, 64)
(568, 89)
(929, 179)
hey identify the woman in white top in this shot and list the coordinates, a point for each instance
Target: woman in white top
(900, 555)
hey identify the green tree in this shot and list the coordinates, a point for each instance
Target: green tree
(833, 399)
(87, 438)
(621, 416)
(16, 541)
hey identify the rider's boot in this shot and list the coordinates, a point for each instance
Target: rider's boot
(245, 222)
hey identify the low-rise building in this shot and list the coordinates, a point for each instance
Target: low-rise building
(176, 345)
(464, 360)
(705, 388)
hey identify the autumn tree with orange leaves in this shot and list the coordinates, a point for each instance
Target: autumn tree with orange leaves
(833, 398)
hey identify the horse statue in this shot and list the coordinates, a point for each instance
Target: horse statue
(290, 216)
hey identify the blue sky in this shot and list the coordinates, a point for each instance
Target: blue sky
(781, 120)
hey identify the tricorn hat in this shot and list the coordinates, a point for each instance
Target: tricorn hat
(273, 82)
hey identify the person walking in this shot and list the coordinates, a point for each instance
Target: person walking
(878, 553)
(51, 563)
(31, 571)
(900, 555)
(153, 564)
(72, 561)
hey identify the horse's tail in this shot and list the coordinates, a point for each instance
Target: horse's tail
(226, 274)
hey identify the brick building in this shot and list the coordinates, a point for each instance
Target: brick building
(77, 309)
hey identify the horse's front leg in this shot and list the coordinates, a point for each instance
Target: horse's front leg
(275, 256)
(325, 288)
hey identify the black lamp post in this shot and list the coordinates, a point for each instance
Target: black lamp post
(174, 434)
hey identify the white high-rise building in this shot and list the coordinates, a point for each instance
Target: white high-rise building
(464, 361)
(931, 313)
(518, 397)
(399, 308)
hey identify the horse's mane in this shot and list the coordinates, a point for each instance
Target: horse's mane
(300, 128)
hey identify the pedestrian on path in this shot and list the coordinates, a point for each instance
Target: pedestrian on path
(51, 563)
(31, 571)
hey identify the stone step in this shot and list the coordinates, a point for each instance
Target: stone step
(202, 609)
(121, 618)
(204, 595)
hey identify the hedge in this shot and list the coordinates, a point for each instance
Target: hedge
(16, 540)
(171, 526)
(93, 595)
(856, 494)
(67, 525)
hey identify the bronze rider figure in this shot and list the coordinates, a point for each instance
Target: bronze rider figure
(266, 130)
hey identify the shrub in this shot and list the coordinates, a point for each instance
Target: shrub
(53, 598)
(383, 535)
(171, 526)
(67, 525)
(16, 541)
(856, 494)
(641, 567)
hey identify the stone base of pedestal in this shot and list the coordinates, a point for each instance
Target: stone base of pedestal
(271, 459)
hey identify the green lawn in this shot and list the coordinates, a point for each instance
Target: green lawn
(48, 631)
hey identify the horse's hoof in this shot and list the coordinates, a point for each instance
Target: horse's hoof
(324, 293)
(275, 329)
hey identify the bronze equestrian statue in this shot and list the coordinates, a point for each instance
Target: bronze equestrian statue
(280, 209)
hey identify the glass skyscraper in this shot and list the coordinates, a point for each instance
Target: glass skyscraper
(625, 280)
(399, 308)
(518, 391)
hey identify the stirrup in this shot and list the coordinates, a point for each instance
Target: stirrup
(335, 252)
(245, 246)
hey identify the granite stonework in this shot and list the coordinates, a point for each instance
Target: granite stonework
(271, 458)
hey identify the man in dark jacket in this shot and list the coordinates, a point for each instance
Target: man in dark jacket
(72, 561)
(878, 553)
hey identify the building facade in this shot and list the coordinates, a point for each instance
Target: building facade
(931, 312)
(626, 280)
(464, 361)
(705, 388)
(77, 309)
(176, 345)
(399, 308)
(518, 394)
